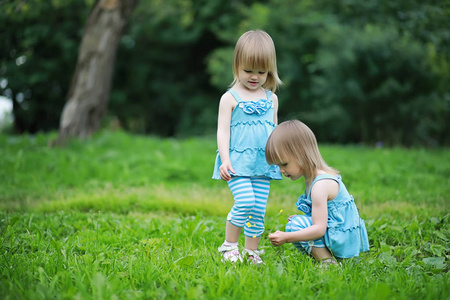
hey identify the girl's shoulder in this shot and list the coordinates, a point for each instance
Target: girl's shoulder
(227, 103)
(274, 97)
(228, 97)
(325, 185)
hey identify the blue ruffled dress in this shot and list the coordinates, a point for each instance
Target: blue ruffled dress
(346, 234)
(251, 125)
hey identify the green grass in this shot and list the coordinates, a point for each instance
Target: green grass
(133, 217)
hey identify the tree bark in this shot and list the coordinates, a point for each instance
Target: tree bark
(88, 96)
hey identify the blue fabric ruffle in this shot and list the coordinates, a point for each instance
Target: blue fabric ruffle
(259, 107)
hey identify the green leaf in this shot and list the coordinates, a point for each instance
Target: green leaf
(186, 261)
(435, 262)
(437, 249)
(387, 258)
(441, 235)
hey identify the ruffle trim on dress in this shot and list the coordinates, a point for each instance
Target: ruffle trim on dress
(258, 149)
(339, 204)
(253, 122)
(355, 227)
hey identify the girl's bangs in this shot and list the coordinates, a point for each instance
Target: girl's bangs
(275, 154)
(256, 60)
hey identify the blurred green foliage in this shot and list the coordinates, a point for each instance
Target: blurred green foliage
(38, 53)
(355, 71)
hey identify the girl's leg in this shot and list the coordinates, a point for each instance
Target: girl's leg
(243, 203)
(229, 249)
(321, 253)
(316, 248)
(324, 256)
(252, 243)
(254, 227)
(244, 200)
(232, 233)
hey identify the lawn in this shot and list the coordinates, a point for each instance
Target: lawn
(122, 216)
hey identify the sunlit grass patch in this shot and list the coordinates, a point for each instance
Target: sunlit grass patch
(183, 199)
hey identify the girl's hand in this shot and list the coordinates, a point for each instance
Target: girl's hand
(225, 170)
(277, 238)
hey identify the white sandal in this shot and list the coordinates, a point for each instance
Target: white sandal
(254, 256)
(230, 253)
(325, 263)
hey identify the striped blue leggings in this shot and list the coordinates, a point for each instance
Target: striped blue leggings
(300, 222)
(250, 199)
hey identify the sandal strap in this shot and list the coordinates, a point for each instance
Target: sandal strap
(255, 252)
(329, 260)
(225, 248)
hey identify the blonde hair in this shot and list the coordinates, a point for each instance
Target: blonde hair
(293, 139)
(255, 49)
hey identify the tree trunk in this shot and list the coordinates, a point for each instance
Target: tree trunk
(89, 92)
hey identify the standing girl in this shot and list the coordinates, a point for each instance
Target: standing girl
(247, 116)
(330, 225)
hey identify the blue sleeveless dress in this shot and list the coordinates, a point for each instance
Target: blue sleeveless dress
(251, 125)
(346, 234)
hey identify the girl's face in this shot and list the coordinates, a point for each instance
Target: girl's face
(252, 79)
(291, 169)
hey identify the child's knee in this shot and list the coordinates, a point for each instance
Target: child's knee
(244, 208)
(298, 222)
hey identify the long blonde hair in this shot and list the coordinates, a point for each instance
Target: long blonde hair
(255, 49)
(293, 139)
